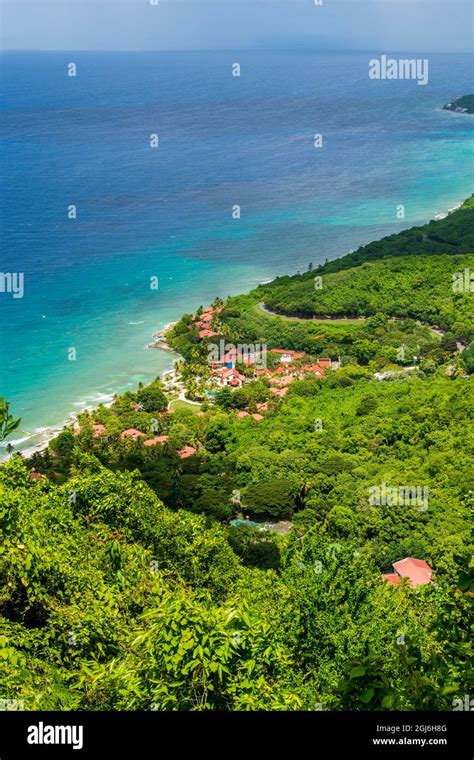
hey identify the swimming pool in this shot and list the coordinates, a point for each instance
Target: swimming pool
(236, 523)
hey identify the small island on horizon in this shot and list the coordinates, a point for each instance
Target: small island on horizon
(464, 104)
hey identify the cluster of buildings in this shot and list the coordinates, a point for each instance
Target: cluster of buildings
(291, 367)
(184, 453)
(99, 430)
(225, 373)
(203, 321)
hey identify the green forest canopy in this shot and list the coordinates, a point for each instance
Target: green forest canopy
(123, 586)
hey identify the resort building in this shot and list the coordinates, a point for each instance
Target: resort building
(158, 439)
(286, 355)
(280, 392)
(417, 571)
(229, 377)
(132, 433)
(186, 452)
(324, 362)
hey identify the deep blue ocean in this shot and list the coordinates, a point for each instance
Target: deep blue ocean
(166, 212)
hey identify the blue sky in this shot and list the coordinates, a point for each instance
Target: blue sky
(384, 25)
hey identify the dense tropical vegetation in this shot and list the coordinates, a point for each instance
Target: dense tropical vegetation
(129, 577)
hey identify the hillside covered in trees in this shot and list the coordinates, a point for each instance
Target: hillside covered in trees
(228, 555)
(465, 104)
(451, 235)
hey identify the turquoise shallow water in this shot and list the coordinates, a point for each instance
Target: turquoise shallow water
(167, 213)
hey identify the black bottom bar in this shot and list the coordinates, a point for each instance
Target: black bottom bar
(136, 735)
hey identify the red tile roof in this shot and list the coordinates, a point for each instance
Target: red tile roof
(294, 354)
(227, 372)
(98, 429)
(186, 451)
(241, 415)
(131, 433)
(392, 578)
(157, 439)
(280, 392)
(258, 417)
(314, 369)
(282, 381)
(231, 356)
(207, 333)
(416, 570)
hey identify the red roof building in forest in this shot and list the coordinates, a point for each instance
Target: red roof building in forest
(287, 355)
(186, 451)
(417, 571)
(324, 362)
(282, 381)
(131, 433)
(207, 333)
(280, 392)
(230, 377)
(313, 369)
(158, 439)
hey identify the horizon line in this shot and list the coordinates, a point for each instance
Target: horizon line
(235, 50)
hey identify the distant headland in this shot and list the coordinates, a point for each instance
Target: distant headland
(465, 104)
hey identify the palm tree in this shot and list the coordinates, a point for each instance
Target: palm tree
(176, 472)
(192, 389)
(302, 495)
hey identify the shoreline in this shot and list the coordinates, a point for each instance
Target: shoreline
(50, 432)
(158, 343)
(443, 214)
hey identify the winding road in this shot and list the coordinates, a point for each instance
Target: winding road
(435, 330)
